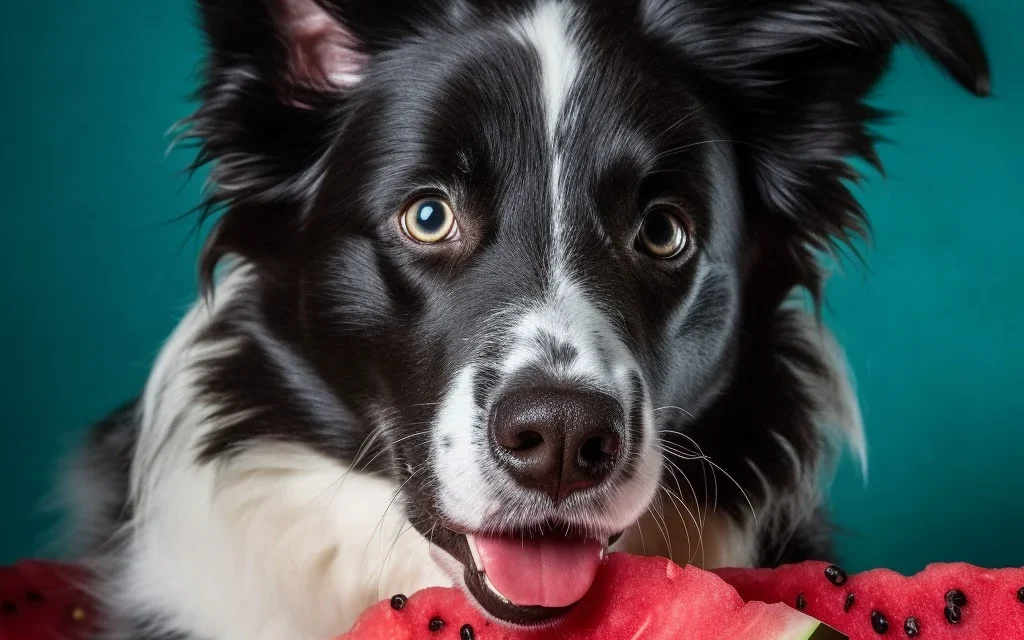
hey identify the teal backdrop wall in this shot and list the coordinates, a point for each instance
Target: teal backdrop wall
(94, 272)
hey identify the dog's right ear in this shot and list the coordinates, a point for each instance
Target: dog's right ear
(276, 77)
(274, 70)
(290, 43)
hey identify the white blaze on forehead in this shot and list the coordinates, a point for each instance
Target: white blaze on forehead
(566, 313)
(547, 30)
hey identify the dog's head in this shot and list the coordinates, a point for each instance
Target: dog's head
(506, 234)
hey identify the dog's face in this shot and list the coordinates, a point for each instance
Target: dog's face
(524, 236)
(509, 235)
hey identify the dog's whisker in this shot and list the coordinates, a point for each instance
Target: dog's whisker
(704, 458)
(698, 525)
(683, 120)
(640, 530)
(418, 434)
(659, 520)
(330, 503)
(677, 409)
(682, 452)
(715, 466)
(678, 495)
(704, 475)
(380, 522)
(678, 501)
(387, 558)
(662, 487)
(693, 490)
(370, 439)
(353, 467)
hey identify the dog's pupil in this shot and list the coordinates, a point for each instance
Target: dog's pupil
(430, 216)
(659, 230)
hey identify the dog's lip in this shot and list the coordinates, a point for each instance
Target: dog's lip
(612, 538)
(458, 544)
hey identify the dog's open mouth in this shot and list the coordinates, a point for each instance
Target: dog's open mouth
(524, 579)
(547, 571)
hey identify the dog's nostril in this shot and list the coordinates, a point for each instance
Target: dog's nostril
(599, 449)
(526, 440)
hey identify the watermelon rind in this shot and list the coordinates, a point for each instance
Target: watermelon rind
(803, 630)
(760, 621)
(824, 632)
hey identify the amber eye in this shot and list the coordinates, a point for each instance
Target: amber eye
(662, 235)
(429, 220)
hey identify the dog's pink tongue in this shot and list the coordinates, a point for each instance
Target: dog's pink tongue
(549, 571)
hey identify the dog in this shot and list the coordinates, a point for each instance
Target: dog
(495, 288)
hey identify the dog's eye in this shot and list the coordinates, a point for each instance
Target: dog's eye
(662, 235)
(429, 220)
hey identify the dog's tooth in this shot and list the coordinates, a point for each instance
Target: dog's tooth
(494, 589)
(476, 554)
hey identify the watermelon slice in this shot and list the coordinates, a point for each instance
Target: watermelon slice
(43, 601)
(955, 601)
(631, 598)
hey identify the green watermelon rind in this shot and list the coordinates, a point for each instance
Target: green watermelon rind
(779, 622)
(824, 632)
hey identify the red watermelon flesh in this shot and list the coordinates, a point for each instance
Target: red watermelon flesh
(632, 597)
(945, 601)
(43, 601)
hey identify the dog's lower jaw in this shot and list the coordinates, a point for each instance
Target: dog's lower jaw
(277, 544)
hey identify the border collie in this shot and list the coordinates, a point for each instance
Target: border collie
(497, 286)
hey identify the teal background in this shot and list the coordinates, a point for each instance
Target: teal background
(95, 273)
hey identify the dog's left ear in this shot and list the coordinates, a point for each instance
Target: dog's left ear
(792, 75)
(277, 76)
(280, 78)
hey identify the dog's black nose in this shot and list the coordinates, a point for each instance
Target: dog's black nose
(557, 440)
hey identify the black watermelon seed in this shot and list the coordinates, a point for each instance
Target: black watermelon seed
(850, 599)
(1020, 595)
(911, 627)
(466, 633)
(957, 597)
(879, 623)
(953, 613)
(835, 575)
(801, 602)
(398, 602)
(33, 596)
(9, 607)
(436, 624)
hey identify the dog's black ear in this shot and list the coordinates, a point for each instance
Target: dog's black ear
(278, 81)
(865, 31)
(793, 76)
(275, 80)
